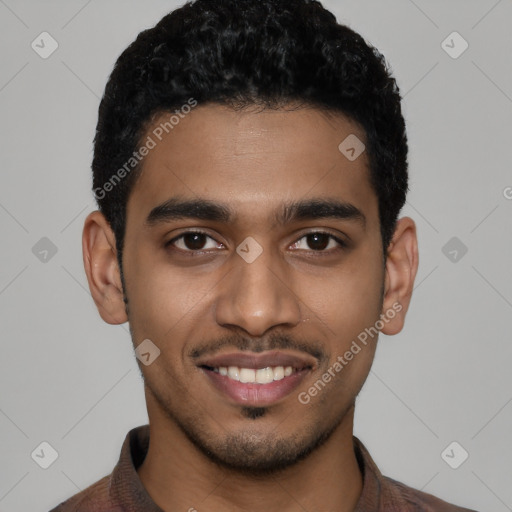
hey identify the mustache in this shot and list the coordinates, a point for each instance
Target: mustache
(272, 342)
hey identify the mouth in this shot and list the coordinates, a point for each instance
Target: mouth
(257, 379)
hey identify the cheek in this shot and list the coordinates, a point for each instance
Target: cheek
(350, 299)
(163, 300)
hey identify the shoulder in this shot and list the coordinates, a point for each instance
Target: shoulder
(384, 494)
(397, 493)
(95, 498)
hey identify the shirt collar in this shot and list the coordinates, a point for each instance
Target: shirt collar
(125, 484)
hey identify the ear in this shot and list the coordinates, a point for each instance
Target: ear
(401, 268)
(102, 269)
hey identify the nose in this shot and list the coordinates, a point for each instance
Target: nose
(258, 296)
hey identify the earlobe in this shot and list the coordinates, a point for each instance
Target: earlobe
(102, 269)
(401, 268)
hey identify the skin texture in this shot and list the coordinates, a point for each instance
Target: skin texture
(206, 451)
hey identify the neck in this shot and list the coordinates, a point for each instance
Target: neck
(178, 476)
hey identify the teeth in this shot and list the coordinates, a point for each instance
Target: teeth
(260, 376)
(247, 375)
(278, 373)
(233, 373)
(264, 375)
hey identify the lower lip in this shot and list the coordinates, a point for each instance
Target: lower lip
(254, 394)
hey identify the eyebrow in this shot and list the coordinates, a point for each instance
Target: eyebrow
(204, 209)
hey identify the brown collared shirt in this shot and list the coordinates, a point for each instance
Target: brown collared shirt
(122, 490)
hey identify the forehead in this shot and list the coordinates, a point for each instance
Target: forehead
(254, 160)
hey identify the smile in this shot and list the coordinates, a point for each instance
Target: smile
(257, 379)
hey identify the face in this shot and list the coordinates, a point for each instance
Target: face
(253, 261)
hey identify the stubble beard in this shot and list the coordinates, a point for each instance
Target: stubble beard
(248, 451)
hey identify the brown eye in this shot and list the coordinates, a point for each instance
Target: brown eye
(194, 241)
(319, 242)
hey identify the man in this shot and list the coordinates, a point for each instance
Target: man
(250, 164)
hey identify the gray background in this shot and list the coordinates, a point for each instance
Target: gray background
(70, 380)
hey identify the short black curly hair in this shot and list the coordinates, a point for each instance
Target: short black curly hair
(239, 53)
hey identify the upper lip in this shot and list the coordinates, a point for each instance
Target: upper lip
(254, 360)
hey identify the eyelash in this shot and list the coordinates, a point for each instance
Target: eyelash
(342, 244)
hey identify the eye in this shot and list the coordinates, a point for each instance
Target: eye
(319, 241)
(194, 241)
